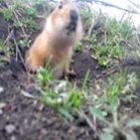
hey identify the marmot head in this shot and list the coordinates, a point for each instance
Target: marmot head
(64, 20)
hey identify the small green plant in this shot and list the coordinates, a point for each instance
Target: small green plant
(119, 29)
(29, 22)
(106, 43)
(136, 53)
(3, 58)
(44, 76)
(118, 85)
(105, 54)
(1, 49)
(86, 15)
(24, 42)
(30, 11)
(63, 99)
(122, 127)
(130, 86)
(78, 47)
(104, 106)
(59, 94)
(90, 39)
(1, 45)
(10, 48)
(7, 13)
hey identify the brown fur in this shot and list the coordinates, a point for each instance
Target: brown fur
(52, 43)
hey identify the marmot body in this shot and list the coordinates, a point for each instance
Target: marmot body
(55, 43)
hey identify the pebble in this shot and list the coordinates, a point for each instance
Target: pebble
(72, 129)
(1, 89)
(10, 128)
(1, 112)
(13, 138)
(2, 105)
(44, 131)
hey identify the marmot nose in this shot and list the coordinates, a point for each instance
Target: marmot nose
(73, 15)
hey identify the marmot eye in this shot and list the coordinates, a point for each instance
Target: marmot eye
(60, 6)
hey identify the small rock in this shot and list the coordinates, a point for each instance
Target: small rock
(1, 89)
(66, 127)
(1, 112)
(72, 129)
(43, 131)
(41, 107)
(10, 128)
(2, 105)
(13, 138)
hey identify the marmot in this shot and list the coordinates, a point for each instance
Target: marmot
(55, 43)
